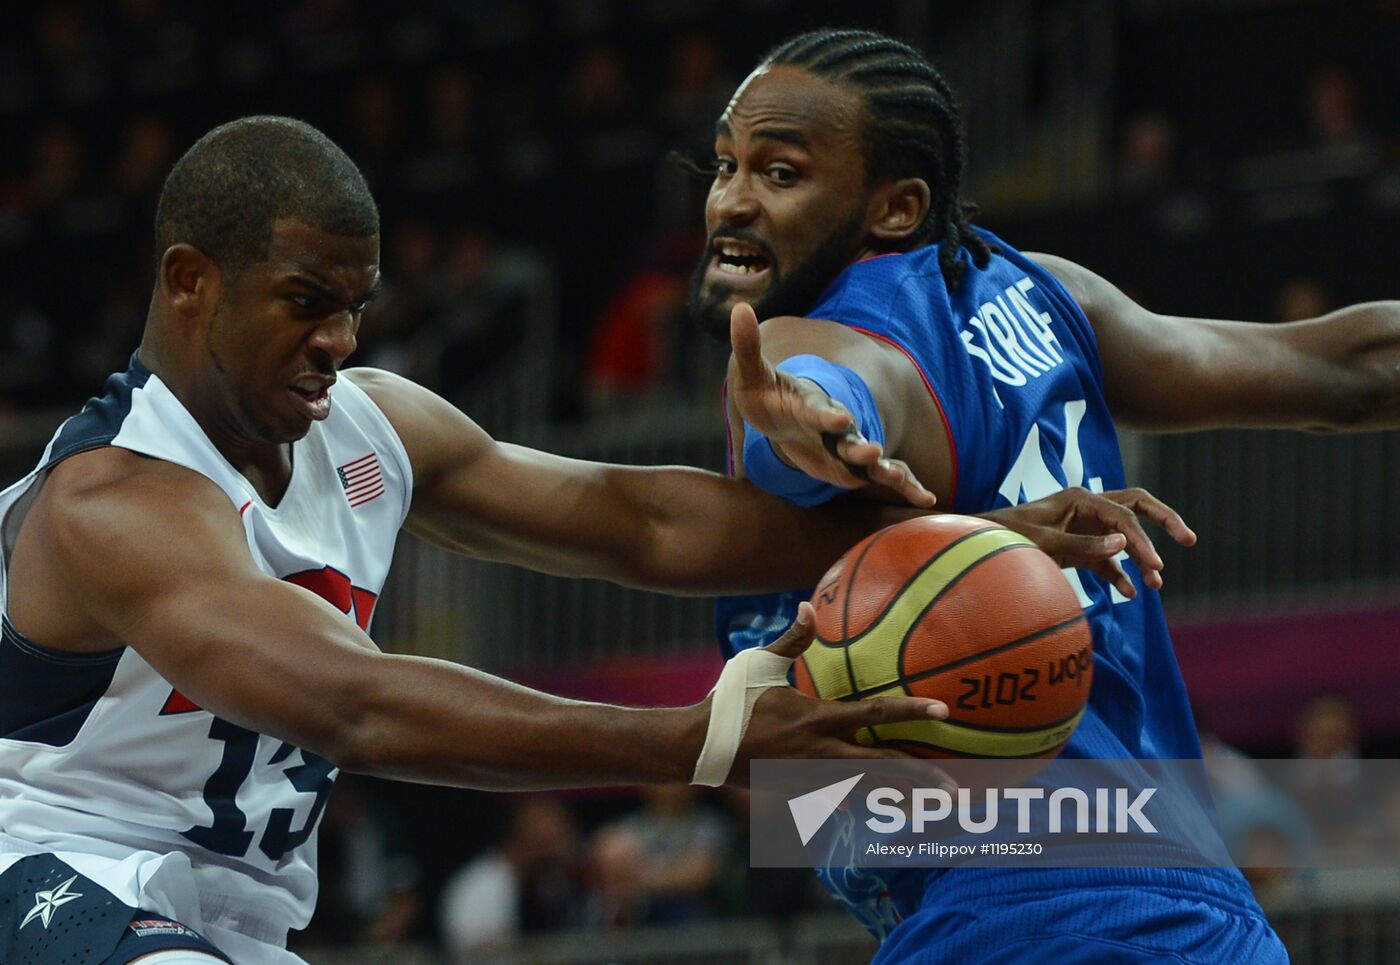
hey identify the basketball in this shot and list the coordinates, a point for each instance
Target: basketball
(962, 610)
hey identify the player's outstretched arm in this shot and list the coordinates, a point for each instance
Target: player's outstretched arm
(1340, 372)
(668, 528)
(275, 658)
(805, 426)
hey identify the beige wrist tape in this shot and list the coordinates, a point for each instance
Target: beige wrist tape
(740, 684)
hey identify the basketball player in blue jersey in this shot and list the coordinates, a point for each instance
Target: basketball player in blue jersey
(996, 376)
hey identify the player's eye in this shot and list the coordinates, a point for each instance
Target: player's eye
(781, 174)
(307, 303)
(725, 167)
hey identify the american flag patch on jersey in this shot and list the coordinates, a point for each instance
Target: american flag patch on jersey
(361, 480)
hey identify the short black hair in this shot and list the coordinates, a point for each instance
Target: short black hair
(912, 127)
(228, 189)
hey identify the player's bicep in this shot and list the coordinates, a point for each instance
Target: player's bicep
(1168, 373)
(475, 495)
(262, 653)
(183, 591)
(551, 513)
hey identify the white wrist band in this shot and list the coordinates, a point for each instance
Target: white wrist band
(740, 684)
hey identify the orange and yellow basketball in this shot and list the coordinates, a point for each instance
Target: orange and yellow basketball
(963, 610)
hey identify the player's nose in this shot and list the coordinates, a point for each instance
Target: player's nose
(337, 335)
(735, 203)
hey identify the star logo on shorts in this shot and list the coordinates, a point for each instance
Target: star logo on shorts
(46, 901)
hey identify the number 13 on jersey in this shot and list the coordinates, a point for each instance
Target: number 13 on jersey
(310, 779)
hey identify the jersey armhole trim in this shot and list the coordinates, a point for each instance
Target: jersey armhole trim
(728, 429)
(1057, 292)
(396, 447)
(938, 403)
(11, 634)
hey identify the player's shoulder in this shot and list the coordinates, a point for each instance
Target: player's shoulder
(394, 394)
(880, 361)
(432, 430)
(1077, 280)
(371, 380)
(408, 406)
(886, 273)
(868, 293)
(109, 489)
(1102, 302)
(104, 470)
(781, 329)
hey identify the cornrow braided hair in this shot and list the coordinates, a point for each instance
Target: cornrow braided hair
(912, 127)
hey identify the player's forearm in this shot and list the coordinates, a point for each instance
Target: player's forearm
(1364, 341)
(313, 679)
(713, 535)
(1337, 373)
(436, 722)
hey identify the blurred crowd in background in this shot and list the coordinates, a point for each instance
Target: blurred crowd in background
(513, 140)
(1237, 160)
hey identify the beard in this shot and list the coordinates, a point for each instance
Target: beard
(790, 293)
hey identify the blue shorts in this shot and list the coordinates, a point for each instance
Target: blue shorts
(1052, 916)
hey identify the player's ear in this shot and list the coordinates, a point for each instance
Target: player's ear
(189, 280)
(900, 207)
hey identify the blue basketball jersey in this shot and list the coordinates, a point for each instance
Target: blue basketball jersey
(1013, 365)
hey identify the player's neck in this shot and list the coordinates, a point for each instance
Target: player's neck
(267, 466)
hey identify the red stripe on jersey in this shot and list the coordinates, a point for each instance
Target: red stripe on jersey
(728, 429)
(364, 606)
(178, 703)
(947, 428)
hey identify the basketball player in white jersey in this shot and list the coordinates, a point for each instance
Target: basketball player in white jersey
(188, 577)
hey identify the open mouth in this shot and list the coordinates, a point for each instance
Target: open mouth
(738, 258)
(314, 397)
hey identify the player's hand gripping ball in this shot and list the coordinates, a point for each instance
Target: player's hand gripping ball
(963, 610)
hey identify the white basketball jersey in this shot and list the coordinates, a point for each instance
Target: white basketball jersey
(100, 755)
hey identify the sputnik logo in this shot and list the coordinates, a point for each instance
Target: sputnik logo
(810, 810)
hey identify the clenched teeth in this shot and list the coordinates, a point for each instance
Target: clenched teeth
(736, 258)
